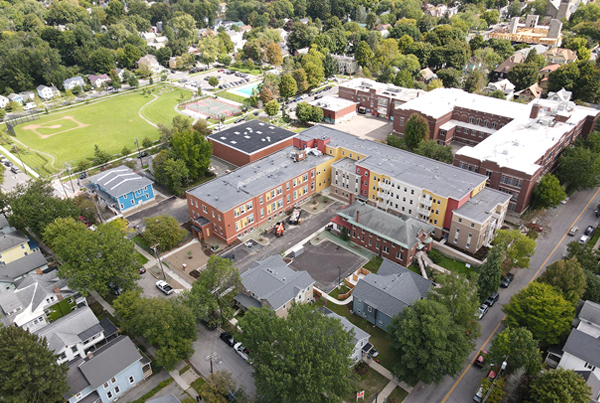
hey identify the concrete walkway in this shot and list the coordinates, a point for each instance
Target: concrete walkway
(392, 384)
(335, 300)
(152, 261)
(102, 302)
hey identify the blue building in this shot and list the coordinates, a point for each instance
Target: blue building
(122, 189)
(105, 374)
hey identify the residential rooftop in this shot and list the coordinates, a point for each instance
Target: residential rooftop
(583, 346)
(10, 238)
(251, 137)
(69, 329)
(359, 334)
(251, 180)
(332, 103)
(17, 268)
(120, 181)
(399, 230)
(442, 179)
(482, 205)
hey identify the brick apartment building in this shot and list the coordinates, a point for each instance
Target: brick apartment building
(335, 110)
(386, 235)
(377, 98)
(402, 183)
(513, 144)
(249, 141)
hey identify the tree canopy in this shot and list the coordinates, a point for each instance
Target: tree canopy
(560, 385)
(568, 277)
(519, 248)
(416, 130)
(490, 272)
(520, 350)
(303, 357)
(548, 192)
(163, 230)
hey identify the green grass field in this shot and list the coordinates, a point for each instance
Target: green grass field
(112, 123)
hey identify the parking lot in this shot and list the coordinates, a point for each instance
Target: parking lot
(291, 104)
(327, 262)
(227, 79)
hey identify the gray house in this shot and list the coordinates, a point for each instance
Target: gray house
(273, 284)
(378, 297)
(360, 338)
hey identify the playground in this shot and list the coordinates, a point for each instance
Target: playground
(214, 108)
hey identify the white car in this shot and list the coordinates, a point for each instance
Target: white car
(242, 352)
(164, 287)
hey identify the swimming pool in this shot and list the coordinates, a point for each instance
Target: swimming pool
(247, 91)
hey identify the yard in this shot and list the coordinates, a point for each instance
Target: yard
(374, 264)
(112, 123)
(451, 264)
(379, 338)
(371, 382)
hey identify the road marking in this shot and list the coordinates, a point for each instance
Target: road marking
(504, 317)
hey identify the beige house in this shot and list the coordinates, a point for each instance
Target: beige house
(475, 223)
(273, 284)
(560, 56)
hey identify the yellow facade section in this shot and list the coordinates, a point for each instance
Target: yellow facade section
(478, 189)
(323, 175)
(440, 208)
(15, 253)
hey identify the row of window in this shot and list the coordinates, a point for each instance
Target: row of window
(509, 180)
(486, 123)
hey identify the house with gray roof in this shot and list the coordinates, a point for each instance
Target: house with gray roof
(38, 299)
(121, 189)
(386, 235)
(379, 297)
(75, 334)
(105, 374)
(11, 273)
(360, 338)
(73, 82)
(273, 284)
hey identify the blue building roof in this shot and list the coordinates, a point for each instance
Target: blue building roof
(120, 181)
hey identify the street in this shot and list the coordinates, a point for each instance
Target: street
(551, 244)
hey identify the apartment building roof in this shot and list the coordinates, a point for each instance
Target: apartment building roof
(250, 137)
(442, 101)
(254, 179)
(332, 103)
(120, 181)
(345, 164)
(399, 93)
(399, 230)
(480, 207)
(523, 142)
(442, 179)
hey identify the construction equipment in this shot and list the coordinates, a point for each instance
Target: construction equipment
(295, 217)
(279, 229)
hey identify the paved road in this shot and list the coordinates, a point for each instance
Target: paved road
(173, 206)
(551, 244)
(245, 256)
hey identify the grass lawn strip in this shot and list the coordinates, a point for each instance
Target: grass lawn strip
(372, 382)
(399, 394)
(455, 266)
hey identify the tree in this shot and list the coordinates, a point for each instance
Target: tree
(86, 208)
(363, 54)
(146, 142)
(293, 359)
(33, 206)
(101, 156)
(450, 77)
(163, 230)
(330, 66)
(114, 80)
(493, 390)
(165, 323)
(273, 54)
(428, 343)
(542, 310)
(272, 107)
(308, 113)
(213, 81)
(459, 295)
(586, 256)
(115, 258)
(28, 369)
(523, 75)
(194, 150)
(219, 387)
(592, 286)
(201, 127)
(210, 297)
(416, 130)
(433, 150)
(129, 56)
(102, 60)
(301, 80)
(579, 167)
(133, 82)
(185, 27)
(519, 248)
(568, 277)
(225, 60)
(287, 87)
(175, 175)
(520, 350)
(490, 272)
(560, 385)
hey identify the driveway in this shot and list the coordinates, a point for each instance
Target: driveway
(311, 223)
(225, 359)
(11, 180)
(173, 206)
(551, 244)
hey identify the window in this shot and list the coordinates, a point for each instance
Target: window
(471, 120)
(287, 186)
(494, 125)
(109, 394)
(460, 220)
(401, 121)
(106, 384)
(370, 309)
(386, 249)
(380, 323)
(117, 390)
(204, 209)
(131, 379)
(486, 123)
(260, 199)
(478, 121)
(472, 225)
(113, 380)
(467, 131)
(132, 203)
(312, 173)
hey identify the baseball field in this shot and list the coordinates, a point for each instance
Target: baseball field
(112, 123)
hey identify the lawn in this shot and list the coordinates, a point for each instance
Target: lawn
(111, 123)
(232, 97)
(61, 309)
(454, 265)
(379, 338)
(372, 382)
(141, 258)
(398, 394)
(374, 264)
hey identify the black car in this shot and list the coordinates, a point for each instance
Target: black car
(143, 154)
(8, 163)
(227, 338)
(83, 175)
(238, 120)
(507, 280)
(256, 113)
(491, 300)
(229, 256)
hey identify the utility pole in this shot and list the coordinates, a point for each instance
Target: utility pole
(157, 253)
(139, 154)
(502, 368)
(70, 178)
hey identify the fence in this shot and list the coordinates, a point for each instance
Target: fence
(20, 118)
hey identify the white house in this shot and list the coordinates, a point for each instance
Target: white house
(503, 85)
(360, 338)
(3, 101)
(97, 81)
(73, 82)
(46, 92)
(150, 62)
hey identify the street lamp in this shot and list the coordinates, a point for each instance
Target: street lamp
(502, 368)
(339, 277)
(157, 253)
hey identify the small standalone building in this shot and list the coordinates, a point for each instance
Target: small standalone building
(97, 81)
(73, 82)
(379, 297)
(46, 92)
(249, 141)
(335, 110)
(346, 64)
(121, 189)
(360, 338)
(395, 238)
(273, 284)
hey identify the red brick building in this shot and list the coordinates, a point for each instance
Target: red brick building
(335, 110)
(249, 141)
(395, 238)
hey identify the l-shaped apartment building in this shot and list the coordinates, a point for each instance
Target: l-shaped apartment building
(455, 201)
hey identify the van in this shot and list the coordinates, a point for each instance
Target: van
(29, 105)
(362, 109)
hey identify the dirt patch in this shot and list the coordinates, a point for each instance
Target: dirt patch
(34, 128)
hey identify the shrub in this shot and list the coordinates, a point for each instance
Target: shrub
(435, 256)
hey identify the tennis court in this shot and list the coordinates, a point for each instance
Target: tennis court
(214, 108)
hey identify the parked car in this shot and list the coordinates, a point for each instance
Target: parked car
(83, 175)
(238, 120)
(491, 300)
(480, 360)
(227, 338)
(478, 397)
(220, 71)
(14, 170)
(584, 239)
(535, 227)
(164, 287)
(142, 270)
(573, 230)
(143, 154)
(506, 280)
(8, 163)
(115, 289)
(481, 311)
(209, 323)
(589, 230)
(242, 351)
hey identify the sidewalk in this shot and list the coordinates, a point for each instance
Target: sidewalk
(394, 382)
(102, 302)
(152, 261)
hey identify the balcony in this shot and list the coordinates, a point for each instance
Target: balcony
(426, 202)
(424, 212)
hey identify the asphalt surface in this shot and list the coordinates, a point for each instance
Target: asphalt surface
(173, 206)
(245, 256)
(551, 244)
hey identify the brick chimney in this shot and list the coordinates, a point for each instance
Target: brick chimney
(357, 216)
(535, 110)
(39, 271)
